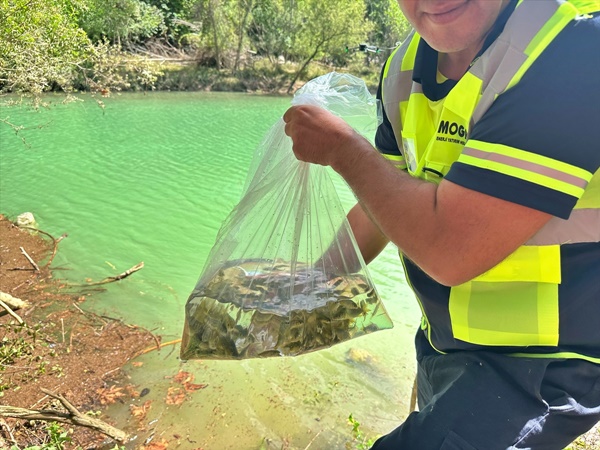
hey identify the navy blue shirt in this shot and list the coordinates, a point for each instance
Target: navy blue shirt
(553, 111)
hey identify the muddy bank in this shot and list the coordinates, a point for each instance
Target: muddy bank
(58, 347)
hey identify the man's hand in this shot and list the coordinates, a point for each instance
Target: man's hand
(322, 138)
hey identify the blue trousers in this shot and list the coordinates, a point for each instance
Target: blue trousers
(488, 401)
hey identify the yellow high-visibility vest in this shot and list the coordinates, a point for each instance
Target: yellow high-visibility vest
(514, 304)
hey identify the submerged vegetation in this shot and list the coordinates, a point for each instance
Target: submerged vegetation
(245, 45)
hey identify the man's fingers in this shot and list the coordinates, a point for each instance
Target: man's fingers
(288, 115)
(287, 118)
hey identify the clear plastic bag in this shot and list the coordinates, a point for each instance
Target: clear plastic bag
(266, 288)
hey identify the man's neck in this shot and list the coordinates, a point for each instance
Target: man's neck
(454, 65)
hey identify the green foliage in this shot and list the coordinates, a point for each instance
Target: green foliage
(174, 14)
(78, 44)
(328, 27)
(269, 18)
(40, 45)
(390, 25)
(325, 29)
(359, 441)
(57, 438)
(307, 29)
(221, 30)
(42, 48)
(120, 21)
(21, 348)
(13, 348)
(108, 68)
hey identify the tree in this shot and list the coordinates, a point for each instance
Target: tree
(326, 29)
(174, 14)
(40, 45)
(245, 6)
(389, 24)
(274, 27)
(223, 28)
(42, 48)
(214, 30)
(120, 21)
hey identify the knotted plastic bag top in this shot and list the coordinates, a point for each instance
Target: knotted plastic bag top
(269, 287)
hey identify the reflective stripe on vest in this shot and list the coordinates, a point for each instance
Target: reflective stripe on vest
(516, 302)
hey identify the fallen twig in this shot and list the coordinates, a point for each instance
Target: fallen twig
(11, 312)
(110, 371)
(21, 284)
(158, 347)
(35, 266)
(54, 240)
(12, 438)
(118, 277)
(155, 337)
(312, 440)
(73, 416)
(12, 302)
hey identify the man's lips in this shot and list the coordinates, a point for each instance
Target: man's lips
(447, 15)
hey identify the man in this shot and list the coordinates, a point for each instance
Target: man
(492, 124)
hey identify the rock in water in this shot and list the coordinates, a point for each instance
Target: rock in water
(26, 220)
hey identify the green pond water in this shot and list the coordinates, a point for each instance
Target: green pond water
(151, 177)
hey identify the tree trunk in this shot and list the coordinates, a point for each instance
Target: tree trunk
(304, 66)
(213, 21)
(241, 33)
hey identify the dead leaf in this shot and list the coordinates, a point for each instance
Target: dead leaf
(183, 377)
(186, 380)
(175, 396)
(156, 445)
(137, 364)
(190, 387)
(110, 395)
(140, 412)
(130, 389)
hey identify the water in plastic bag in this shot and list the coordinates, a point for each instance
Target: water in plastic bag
(268, 287)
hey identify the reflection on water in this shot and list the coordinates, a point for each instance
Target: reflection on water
(151, 178)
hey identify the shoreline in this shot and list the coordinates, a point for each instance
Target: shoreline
(59, 347)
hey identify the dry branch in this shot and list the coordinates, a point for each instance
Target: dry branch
(118, 277)
(11, 312)
(54, 240)
(32, 262)
(13, 302)
(73, 416)
(158, 346)
(12, 438)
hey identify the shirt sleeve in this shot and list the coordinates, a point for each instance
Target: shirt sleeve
(385, 140)
(538, 145)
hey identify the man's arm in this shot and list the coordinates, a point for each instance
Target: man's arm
(452, 233)
(341, 257)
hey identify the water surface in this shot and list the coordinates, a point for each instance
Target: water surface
(150, 178)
